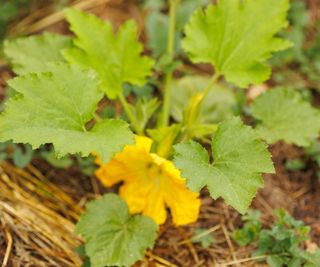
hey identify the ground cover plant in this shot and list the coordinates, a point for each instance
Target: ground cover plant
(280, 245)
(166, 145)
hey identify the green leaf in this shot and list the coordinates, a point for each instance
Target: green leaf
(186, 9)
(250, 230)
(154, 4)
(239, 159)
(145, 91)
(55, 107)
(113, 237)
(216, 107)
(275, 261)
(237, 37)
(34, 53)
(143, 111)
(157, 26)
(115, 57)
(87, 165)
(295, 165)
(22, 158)
(284, 115)
(51, 158)
(295, 262)
(313, 259)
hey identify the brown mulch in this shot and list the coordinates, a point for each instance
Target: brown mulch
(40, 205)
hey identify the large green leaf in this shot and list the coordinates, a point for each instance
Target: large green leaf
(237, 37)
(55, 107)
(239, 159)
(34, 53)
(113, 237)
(115, 57)
(284, 115)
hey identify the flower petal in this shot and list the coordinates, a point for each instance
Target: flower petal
(145, 200)
(111, 173)
(183, 203)
(150, 183)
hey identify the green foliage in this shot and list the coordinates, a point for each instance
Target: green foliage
(314, 151)
(143, 111)
(304, 55)
(46, 110)
(164, 138)
(87, 165)
(157, 27)
(114, 237)
(282, 243)
(298, 18)
(51, 157)
(214, 108)
(157, 24)
(145, 91)
(63, 80)
(21, 155)
(234, 41)
(154, 4)
(250, 230)
(36, 53)
(284, 115)
(203, 237)
(9, 9)
(239, 159)
(94, 42)
(295, 165)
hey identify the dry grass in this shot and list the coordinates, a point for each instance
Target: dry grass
(36, 221)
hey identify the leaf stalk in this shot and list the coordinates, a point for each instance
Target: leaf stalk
(170, 51)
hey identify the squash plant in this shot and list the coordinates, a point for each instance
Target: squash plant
(156, 147)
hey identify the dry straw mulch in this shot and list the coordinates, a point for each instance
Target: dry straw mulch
(36, 221)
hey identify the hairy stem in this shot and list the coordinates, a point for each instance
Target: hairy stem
(170, 51)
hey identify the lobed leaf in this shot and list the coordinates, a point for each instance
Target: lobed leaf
(55, 107)
(237, 37)
(115, 57)
(114, 238)
(284, 115)
(35, 53)
(239, 159)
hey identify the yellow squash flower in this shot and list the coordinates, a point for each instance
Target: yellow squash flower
(150, 183)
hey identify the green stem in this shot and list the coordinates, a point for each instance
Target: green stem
(211, 83)
(130, 115)
(170, 51)
(172, 26)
